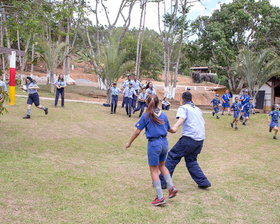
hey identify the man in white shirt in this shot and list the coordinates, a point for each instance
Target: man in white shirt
(191, 142)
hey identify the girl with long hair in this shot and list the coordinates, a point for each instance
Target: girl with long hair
(156, 125)
(60, 85)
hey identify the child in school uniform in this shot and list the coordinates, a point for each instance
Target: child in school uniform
(165, 104)
(274, 122)
(216, 102)
(115, 91)
(236, 107)
(156, 125)
(226, 102)
(245, 97)
(141, 102)
(128, 94)
(33, 97)
(60, 86)
(247, 109)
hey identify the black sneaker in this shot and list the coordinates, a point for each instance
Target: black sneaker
(163, 186)
(274, 137)
(236, 128)
(244, 123)
(222, 114)
(204, 186)
(26, 117)
(231, 124)
(217, 117)
(129, 115)
(270, 129)
(111, 112)
(213, 113)
(46, 111)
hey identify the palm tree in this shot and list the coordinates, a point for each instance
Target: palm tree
(112, 65)
(52, 56)
(256, 68)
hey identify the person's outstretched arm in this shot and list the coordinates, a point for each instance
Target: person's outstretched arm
(177, 125)
(133, 137)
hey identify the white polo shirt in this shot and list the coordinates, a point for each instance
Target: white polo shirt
(194, 124)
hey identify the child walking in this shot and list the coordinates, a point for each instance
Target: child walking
(115, 91)
(274, 122)
(33, 97)
(141, 102)
(216, 102)
(226, 102)
(236, 106)
(156, 125)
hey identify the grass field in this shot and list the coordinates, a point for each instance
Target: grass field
(71, 167)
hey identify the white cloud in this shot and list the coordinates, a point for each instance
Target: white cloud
(275, 2)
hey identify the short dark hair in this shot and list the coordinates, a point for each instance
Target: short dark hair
(187, 96)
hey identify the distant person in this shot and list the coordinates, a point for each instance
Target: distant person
(60, 85)
(226, 102)
(141, 102)
(33, 96)
(236, 107)
(128, 94)
(245, 97)
(4, 89)
(190, 144)
(274, 122)
(165, 104)
(188, 89)
(115, 91)
(247, 107)
(216, 102)
(156, 125)
(136, 84)
(150, 90)
(126, 84)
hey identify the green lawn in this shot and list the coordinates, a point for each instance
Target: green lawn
(71, 167)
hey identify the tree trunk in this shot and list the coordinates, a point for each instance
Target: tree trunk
(2, 45)
(97, 32)
(32, 55)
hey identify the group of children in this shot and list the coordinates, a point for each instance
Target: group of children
(135, 96)
(243, 106)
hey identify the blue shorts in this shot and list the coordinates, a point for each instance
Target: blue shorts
(216, 110)
(246, 114)
(274, 124)
(235, 114)
(157, 151)
(225, 104)
(33, 98)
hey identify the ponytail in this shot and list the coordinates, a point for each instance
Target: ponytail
(153, 102)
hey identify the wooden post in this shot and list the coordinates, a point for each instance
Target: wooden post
(12, 82)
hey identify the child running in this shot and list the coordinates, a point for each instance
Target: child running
(236, 106)
(141, 102)
(247, 109)
(273, 124)
(226, 102)
(33, 96)
(156, 125)
(216, 102)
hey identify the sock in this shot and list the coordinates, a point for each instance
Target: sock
(43, 108)
(168, 180)
(157, 186)
(28, 112)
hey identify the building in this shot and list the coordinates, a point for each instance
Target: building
(202, 74)
(269, 94)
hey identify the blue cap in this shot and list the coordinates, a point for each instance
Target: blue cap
(188, 88)
(276, 106)
(217, 95)
(246, 91)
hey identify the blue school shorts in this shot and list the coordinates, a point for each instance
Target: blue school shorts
(274, 124)
(226, 104)
(235, 114)
(216, 110)
(33, 98)
(246, 114)
(157, 150)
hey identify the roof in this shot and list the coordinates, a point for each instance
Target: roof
(194, 68)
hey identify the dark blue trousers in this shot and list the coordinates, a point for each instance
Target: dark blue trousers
(114, 103)
(165, 107)
(189, 149)
(141, 107)
(123, 101)
(61, 92)
(128, 104)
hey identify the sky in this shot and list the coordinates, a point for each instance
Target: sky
(206, 7)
